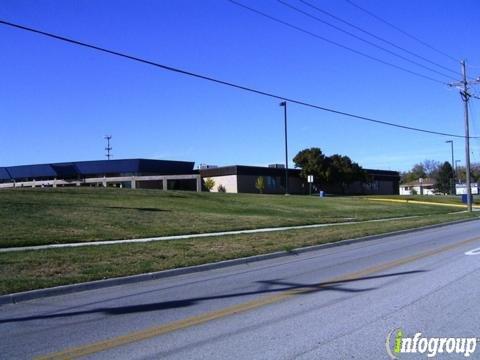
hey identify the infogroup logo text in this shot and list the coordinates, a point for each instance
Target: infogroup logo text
(397, 343)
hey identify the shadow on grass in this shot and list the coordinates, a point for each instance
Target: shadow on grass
(136, 208)
(266, 288)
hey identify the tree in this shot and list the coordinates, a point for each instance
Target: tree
(417, 172)
(342, 170)
(444, 178)
(427, 168)
(431, 167)
(209, 184)
(474, 173)
(328, 170)
(260, 184)
(312, 162)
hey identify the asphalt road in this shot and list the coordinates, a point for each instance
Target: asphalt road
(336, 303)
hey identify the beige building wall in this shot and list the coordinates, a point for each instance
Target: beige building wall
(228, 181)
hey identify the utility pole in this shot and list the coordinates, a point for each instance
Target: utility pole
(465, 95)
(284, 104)
(108, 148)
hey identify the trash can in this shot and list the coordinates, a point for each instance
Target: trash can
(465, 198)
(322, 194)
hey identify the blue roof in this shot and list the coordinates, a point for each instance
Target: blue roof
(31, 171)
(4, 175)
(97, 168)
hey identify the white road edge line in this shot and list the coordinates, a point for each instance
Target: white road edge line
(473, 252)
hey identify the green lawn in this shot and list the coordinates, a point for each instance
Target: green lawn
(45, 216)
(38, 269)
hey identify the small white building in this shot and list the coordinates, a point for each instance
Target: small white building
(461, 189)
(419, 187)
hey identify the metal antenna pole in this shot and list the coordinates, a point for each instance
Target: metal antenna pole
(108, 148)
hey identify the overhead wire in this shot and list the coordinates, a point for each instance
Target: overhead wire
(402, 31)
(356, 27)
(302, 30)
(222, 82)
(294, 8)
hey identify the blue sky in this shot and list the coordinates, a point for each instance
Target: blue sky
(57, 101)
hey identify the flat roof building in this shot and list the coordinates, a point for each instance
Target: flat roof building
(181, 175)
(242, 179)
(95, 168)
(145, 173)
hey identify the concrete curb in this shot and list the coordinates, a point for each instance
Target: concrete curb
(98, 284)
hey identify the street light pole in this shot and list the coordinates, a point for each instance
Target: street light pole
(453, 158)
(284, 104)
(452, 186)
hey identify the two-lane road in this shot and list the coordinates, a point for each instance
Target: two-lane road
(334, 303)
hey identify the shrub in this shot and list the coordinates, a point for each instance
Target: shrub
(221, 188)
(209, 184)
(260, 184)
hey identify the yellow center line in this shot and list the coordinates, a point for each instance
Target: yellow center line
(235, 309)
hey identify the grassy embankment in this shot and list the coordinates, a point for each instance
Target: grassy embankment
(33, 217)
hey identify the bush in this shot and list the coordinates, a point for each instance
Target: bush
(260, 184)
(221, 188)
(209, 184)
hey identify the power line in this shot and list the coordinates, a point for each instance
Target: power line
(378, 37)
(226, 83)
(363, 39)
(297, 28)
(402, 31)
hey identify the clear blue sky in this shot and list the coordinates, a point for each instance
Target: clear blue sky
(58, 100)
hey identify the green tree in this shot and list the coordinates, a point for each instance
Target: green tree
(312, 162)
(209, 184)
(444, 178)
(475, 171)
(260, 184)
(329, 170)
(343, 171)
(417, 172)
(427, 168)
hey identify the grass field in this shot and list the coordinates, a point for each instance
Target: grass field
(42, 216)
(46, 216)
(38, 269)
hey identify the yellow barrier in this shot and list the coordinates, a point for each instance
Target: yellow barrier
(421, 202)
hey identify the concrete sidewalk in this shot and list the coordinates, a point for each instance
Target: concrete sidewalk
(193, 236)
